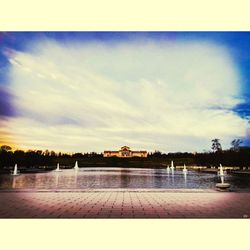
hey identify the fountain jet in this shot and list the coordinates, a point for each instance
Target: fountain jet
(76, 166)
(15, 171)
(172, 166)
(168, 169)
(58, 168)
(184, 169)
(221, 172)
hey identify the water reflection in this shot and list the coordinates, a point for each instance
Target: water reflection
(75, 180)
(124, 178)
(159, 179)
(185, 178)
(56, 179)
(168, 175)
(172, 177)
(13, 182)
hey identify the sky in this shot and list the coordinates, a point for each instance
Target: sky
(96, 91)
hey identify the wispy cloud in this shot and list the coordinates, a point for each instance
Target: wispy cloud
(145, 93)
(6, 108)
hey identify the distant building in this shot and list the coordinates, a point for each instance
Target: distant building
(125, 152)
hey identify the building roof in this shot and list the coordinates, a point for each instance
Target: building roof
(125, 148)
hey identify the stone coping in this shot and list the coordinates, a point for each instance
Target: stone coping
(138, 190)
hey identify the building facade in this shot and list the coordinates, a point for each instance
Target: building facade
(125, 152)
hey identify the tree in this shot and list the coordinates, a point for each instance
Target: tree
(46, 152)
(5, 148)
(157, 153)
(52, 153)
(216, 146)
(77, 155)
(236, 144)
(39, 152)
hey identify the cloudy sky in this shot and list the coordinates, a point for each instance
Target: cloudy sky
(94, 91)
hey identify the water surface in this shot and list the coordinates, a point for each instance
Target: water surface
(119, 178)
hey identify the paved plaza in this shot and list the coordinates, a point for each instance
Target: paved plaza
(124, 204)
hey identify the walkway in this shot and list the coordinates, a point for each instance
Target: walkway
(124, 204)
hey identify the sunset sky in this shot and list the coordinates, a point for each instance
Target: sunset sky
(95, 91)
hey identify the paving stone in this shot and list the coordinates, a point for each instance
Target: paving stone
(127, 204)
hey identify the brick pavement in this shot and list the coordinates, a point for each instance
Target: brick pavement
(124, 204)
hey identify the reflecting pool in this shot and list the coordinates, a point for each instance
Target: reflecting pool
(119, 178)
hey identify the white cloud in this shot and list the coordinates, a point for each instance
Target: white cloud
(148, 95)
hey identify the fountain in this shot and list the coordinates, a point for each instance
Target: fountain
(58, 168)
(221, 172)
(15, 171)
(184, 169)
(76, 166)
(168, 169)
(222, 186)
(172, 166)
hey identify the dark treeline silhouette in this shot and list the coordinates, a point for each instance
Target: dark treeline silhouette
(36, 158)
(236, 156)
(240, 158)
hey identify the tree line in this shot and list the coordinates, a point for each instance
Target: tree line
(237, 155)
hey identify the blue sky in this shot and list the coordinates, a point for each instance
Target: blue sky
(91, 91)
